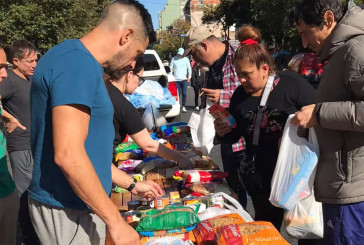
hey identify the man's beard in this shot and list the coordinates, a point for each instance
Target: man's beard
(117, 65)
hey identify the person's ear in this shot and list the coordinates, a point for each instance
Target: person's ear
(265, 69)
(128, 76)
(204, 45)
(328, 19)
(16, 62)
(126, 37)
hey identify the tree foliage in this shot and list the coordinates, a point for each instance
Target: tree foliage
(48, 22)
(169, 42)
(270, 16)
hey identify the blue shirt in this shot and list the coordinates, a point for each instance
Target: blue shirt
(181, 68)
(68, 74)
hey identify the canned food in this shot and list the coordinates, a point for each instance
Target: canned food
(133, 205)
(176, 201)
(142, 210)
(145, 202)
(190, 200)
(131, 216)
(161, 202)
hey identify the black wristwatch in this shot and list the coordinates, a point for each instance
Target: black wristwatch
(132, 185)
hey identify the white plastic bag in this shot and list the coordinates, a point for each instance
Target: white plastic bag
(295, 170)
(152, 118)
(169, 241)
(304, 220)
(202, 130)
(217, 211)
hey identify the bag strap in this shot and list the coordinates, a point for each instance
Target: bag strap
(261, 108)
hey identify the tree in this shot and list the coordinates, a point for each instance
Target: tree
(48, 22)
(169, 41)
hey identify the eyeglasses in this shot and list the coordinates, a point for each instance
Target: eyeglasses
(141, 79)
(6, 66)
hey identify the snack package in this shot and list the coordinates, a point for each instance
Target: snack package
(161, 173)
(124, 147)
(188, 236)
(252, 233)
(203, 163)
(122, 156)
(206, 230)
(128, 165)
(169, 218)
(201, 189)
(194, 176)
(219, 112)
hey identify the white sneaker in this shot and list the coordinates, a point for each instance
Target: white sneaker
(197, 108)
(184, 109)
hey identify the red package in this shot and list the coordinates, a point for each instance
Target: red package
(219, 112)
(194, 176)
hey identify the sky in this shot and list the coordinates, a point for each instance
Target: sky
(154, 6)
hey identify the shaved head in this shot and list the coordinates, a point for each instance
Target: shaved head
(128, 14)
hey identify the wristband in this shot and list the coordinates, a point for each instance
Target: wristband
(132, 185)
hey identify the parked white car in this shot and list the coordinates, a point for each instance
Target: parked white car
(154, 70)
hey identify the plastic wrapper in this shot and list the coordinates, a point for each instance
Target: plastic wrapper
(194, 176)
(169, 218)
(203, 163)
(206, 230)
(124, 147)
(201, 189)
(187, 238)
(128, 165)
(161, 173)
(219, 112)
(252, 233)
(167, 232)
(122, 156)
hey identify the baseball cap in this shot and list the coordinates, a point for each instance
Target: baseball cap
(194, 36)
(181, 51)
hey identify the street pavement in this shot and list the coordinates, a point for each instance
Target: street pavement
(215, 153)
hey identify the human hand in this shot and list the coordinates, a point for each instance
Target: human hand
(222, 128)
(184, 162)
(147, 189)
(306, 117)
(124, 235)
(188, 80)
(212, 94)
(12, 124)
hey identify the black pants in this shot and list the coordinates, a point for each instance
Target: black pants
(197, 90)
(231, 161)
(28, 234)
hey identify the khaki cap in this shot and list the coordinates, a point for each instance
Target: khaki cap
(194, 36)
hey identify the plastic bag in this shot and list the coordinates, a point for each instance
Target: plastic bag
(169, 241)
(168, 218)
(202, 130)
(305, 220)
(296, 166)
(233, 207)
(152, 118)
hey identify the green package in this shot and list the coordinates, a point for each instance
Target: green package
(123, 147)
(168, 218)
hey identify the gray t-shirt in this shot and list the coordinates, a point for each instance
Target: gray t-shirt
(15, 95)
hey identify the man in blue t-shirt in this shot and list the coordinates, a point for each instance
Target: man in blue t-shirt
(72, 132)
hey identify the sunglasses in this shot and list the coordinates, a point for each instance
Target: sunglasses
(141, 79)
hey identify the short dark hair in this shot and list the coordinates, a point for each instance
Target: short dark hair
(139, 65)
(116, 75)
(312, 11)
(147, 19)
(20, 48)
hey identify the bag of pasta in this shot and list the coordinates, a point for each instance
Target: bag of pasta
(252, 233)
(206, 230)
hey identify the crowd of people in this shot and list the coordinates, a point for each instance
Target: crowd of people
(63, 115)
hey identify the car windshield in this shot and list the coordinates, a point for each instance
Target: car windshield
(150, 62)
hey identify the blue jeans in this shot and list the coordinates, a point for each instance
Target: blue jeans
(182, 89)
(343, 224)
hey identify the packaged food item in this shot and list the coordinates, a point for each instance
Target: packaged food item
(180, 140)
(201, 189)
(172, 232)
(132, 154)
(206, 230)
(205, 163)
(168, 218)
(128, 165)
(161, 202)
(155, 162)
(194, 176)
(161, 173)
(190, 200)
(188, 236)
(174, 195)
(132, 216)
(252, 233)
(133, 205)
(123, 147)
(219, 112)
